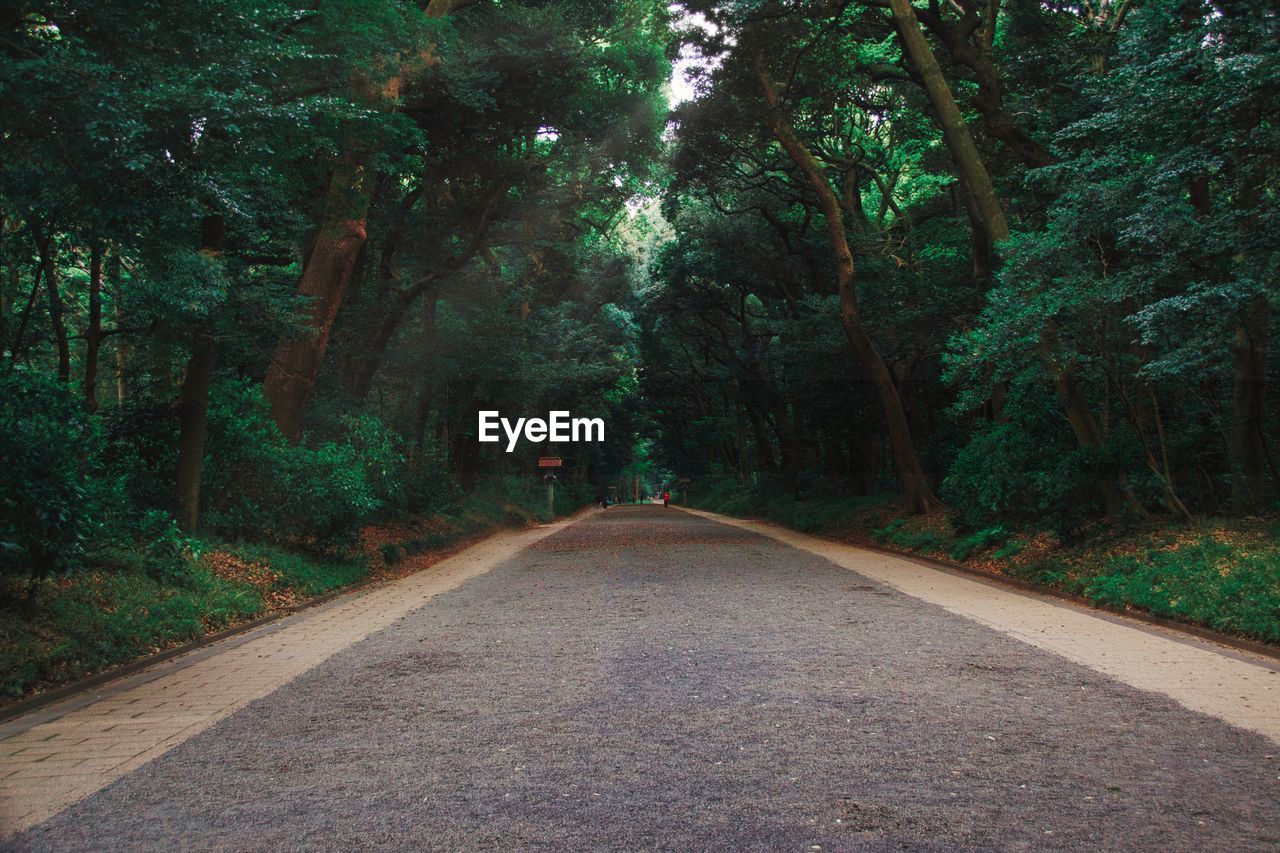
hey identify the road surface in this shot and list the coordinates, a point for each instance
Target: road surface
(648, 678)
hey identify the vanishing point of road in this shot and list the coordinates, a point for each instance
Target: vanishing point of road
(648, 678)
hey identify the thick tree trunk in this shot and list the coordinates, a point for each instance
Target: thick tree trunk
(195, 401)
(902, 372)
(955, 36)
(93, 332)
(1248, 448)
(291, 378)
(915, 486)
(964, 153)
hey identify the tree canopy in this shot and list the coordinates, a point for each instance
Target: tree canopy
(264, 262)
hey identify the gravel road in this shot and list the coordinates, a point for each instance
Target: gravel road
(647, 678)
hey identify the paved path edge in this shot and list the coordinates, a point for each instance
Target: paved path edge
(71, 690)
(1235, 686)
(1198, 632)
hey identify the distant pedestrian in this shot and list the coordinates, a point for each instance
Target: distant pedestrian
(666, 499)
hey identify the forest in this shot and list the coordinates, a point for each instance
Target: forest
(988, 278)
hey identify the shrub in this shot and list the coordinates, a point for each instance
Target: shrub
(1207, 582)
(140, 448)
(258, 484)
(50, 489)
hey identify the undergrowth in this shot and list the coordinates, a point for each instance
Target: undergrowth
(128, 599)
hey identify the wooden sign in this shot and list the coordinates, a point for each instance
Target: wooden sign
(549, 462)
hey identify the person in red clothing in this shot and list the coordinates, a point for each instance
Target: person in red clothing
(666, 499)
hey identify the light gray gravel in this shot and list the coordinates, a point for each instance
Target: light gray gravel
(646, 679)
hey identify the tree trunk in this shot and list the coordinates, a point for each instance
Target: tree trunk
(955, 35)
(365, 367)
(1115, 486)
(57, 311)
(915, 487)
(114, 271)
(426, 397)
(367, 363)
(964, 153)
(195, 410)
(93, 332)
(1087, 433)
(759, 431)
(291, 378)
(1248, 448)
(8, 285)
(866, 456)
(195, 401)
(468, 462)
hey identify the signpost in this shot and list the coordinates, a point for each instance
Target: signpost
(550, 463)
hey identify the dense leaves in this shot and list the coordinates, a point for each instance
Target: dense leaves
(1110, 361)
(174, 175)
(263, 263)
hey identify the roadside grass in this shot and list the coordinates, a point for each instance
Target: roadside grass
(124, 603)
(98, 618)
(1220, 573)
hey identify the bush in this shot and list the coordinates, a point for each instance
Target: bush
(50, 489)
(1206, 582)
(809, 516)
(1007, 473)
(258, 484)
(140, 448)
(308, 575)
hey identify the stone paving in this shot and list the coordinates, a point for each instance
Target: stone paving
(648, 679)
(59, 755)
(56, 756)
(1241, 688)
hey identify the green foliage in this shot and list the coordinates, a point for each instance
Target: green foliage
(102, 618)
(534, 231)
(1002, 473)
(51, 496)
(902, 534)
(258, 484)
(979, 541)
(306, 574)
(1208, 583)
(817, 516)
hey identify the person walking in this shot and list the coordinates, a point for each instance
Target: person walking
(666, 499)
